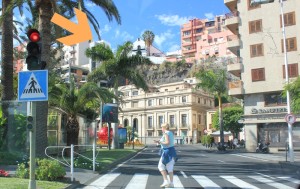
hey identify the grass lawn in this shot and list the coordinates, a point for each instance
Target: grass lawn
(104, 158)
(16, 183)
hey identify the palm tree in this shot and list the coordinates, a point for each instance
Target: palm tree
(148, 37)
(214, 81)
(71, 101)
(46, 9)
(116, 67)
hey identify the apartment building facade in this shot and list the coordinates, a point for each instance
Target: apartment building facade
(202, 38)
(261, 69)
(179, 104)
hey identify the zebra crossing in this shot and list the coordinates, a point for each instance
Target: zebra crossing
(141, 181)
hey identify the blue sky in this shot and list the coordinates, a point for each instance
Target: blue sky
(162, 17)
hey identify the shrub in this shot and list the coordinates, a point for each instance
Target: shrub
(22, 171)
(46, 170)
(49, 170)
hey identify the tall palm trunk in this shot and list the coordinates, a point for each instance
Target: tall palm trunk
(115, 142)
(7, 67)
(45, 15)
(72, 133)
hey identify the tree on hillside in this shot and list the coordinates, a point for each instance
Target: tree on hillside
(122, 65)
(231, 115)
(148, 36)
(214, 81)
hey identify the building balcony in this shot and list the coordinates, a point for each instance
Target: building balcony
(234, 66)
(235, 89)
(184, 44)
(233, 44)
(185, 51)
(231, 4)
(232, 21)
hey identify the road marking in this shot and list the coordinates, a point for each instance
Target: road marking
(270, 182)
(290, 179)
(249, 157)
(102, 182)
(221, 161)
(265, 175)
(202, 155)
(177, 183)
(183, 174)
(205, 182)
(238, 182)
(138, 181)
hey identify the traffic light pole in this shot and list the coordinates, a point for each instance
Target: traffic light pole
(31, 109)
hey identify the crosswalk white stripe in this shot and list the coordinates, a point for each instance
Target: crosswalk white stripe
(103, 181)
(206, 182)
(238, 182)
(290, 179)
(138, 181)
(177, 183)
(270, 182)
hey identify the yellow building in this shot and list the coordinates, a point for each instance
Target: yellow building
(178, 103)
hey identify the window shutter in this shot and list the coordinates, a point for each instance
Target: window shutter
(259, 49)
(258, 25)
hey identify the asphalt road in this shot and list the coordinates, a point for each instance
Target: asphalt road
(198, 168)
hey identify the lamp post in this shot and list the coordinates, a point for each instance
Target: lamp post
(290, 134)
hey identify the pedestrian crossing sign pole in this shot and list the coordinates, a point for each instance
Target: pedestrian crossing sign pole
(33, 85)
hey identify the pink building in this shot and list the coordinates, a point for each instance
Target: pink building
(201, 39)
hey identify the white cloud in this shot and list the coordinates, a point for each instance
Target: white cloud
(173, 20)
(124, 35)
(209, 16)
(174, 47)
(160, 39)
(105, 29)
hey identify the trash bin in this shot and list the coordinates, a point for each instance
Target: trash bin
(121, 145)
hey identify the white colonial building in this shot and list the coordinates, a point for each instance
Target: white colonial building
(180, 104)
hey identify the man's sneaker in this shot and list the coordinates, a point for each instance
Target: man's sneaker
(165, 184)
(170, 185)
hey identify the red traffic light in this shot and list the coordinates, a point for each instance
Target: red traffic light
(33, 35)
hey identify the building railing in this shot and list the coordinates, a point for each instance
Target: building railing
(235, 60)
(232, 38)
(235, 84)
(232, 14)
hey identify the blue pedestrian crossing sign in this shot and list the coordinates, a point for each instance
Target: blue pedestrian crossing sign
(33, 85)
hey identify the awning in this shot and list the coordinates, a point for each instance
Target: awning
(217, 133)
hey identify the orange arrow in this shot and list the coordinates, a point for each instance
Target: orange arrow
(81, 31)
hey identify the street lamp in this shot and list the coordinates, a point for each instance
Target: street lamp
(256, 2)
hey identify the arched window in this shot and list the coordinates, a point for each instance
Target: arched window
(135, 124)
(125, 122)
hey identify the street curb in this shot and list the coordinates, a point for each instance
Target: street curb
(105, 170)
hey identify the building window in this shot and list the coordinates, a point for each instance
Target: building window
(150, 133)
(198, 30)
(171, 100)
(183, 120)
(149, 102)
(186, 33)
(255, 26)
(160, 101)
(253, 6)
(274, 99)
(199, 119)
(292, 70)
(184, 99)
(150, 122)
(172, 120)
(135, 104)
(258, 74)
(256, 50)
(199, 101)
(160, 120)
(291, 44)
(289, 19)
(135, 93)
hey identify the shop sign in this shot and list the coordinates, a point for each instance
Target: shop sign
(268, 110)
